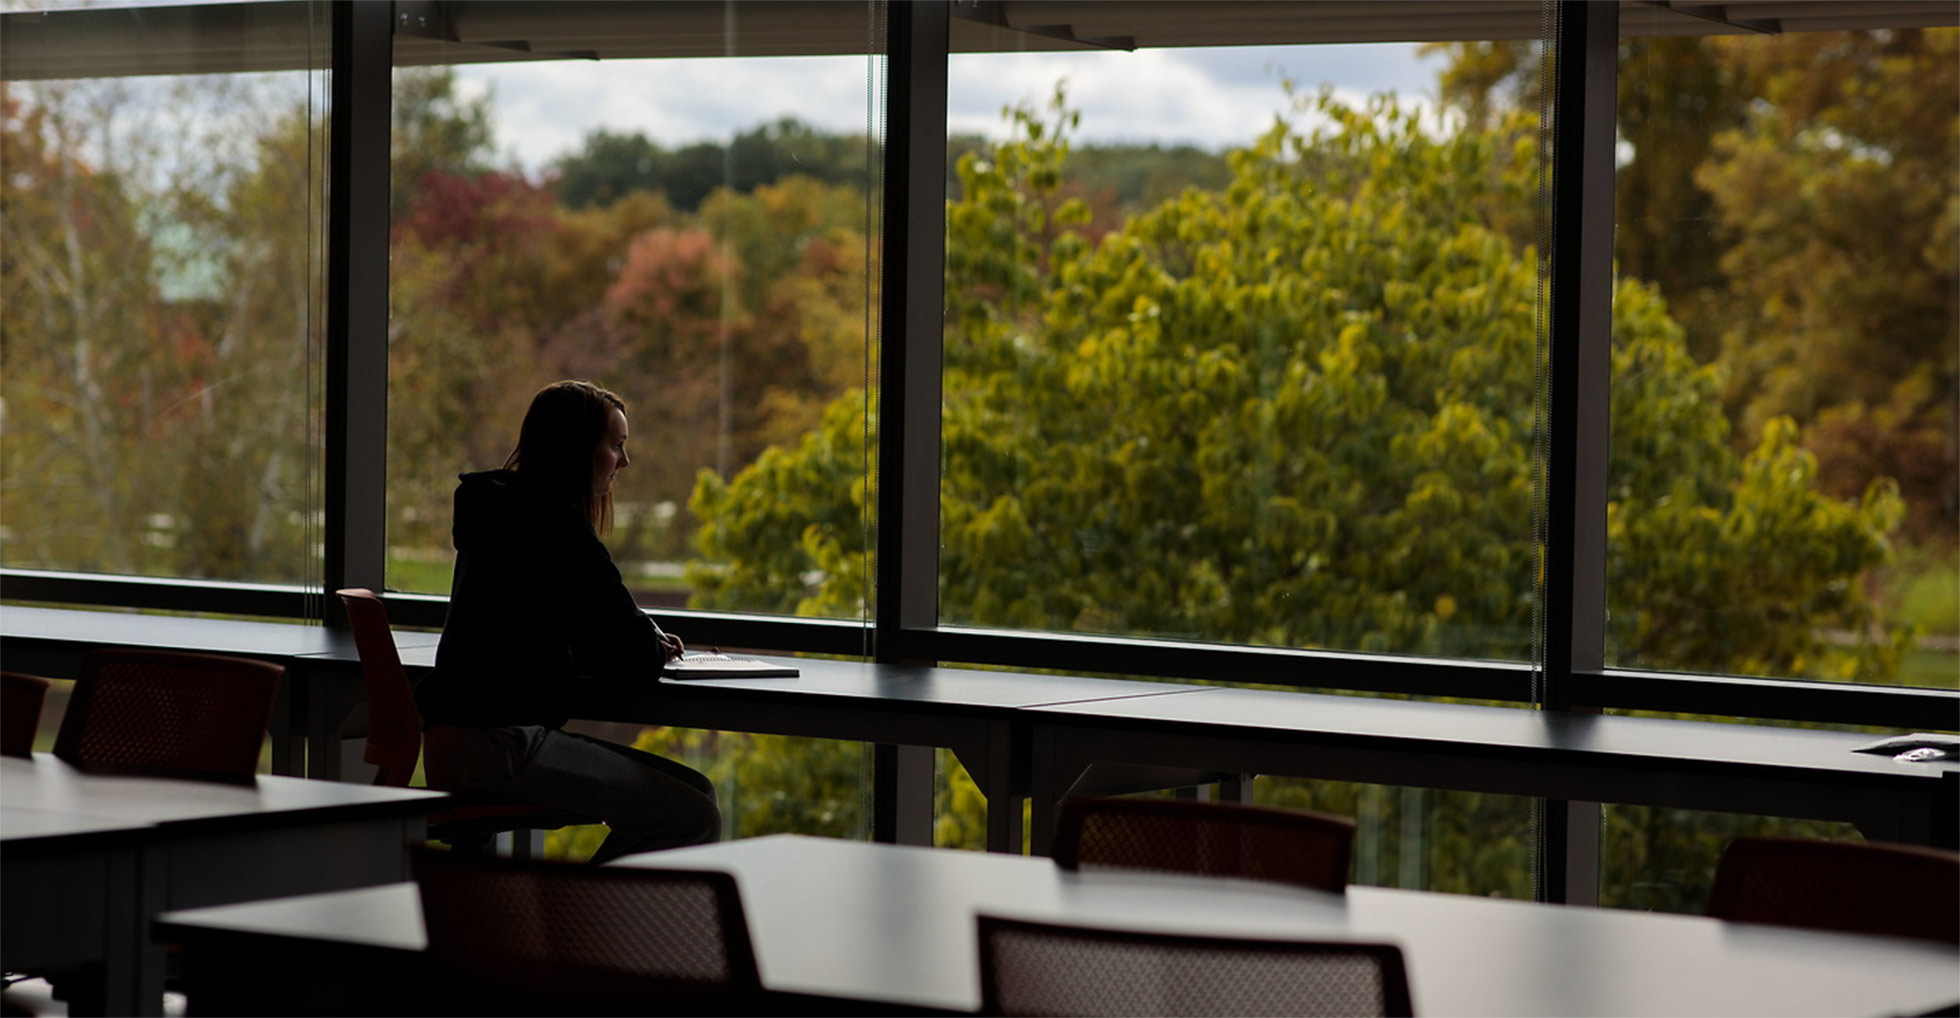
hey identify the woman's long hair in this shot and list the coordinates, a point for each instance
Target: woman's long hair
(555, 446)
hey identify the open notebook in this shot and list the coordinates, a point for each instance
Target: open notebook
(724, 666)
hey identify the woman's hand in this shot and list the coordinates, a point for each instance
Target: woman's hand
(675, 648)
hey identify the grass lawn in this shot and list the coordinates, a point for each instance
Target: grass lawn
(1933, 669)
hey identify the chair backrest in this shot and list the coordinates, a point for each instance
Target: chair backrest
(169, 711)
(1033, 968)
(602, 938)
(1849, 887)
(20, 711)
(394, 729)
(1215, 839)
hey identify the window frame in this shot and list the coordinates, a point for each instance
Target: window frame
(904, 625)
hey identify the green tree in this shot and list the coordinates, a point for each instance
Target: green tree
(606, 168)
(609, 166)
(1794, 199)
(1296, 412)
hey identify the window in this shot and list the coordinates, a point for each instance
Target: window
(1784, 447)
(683, 220)
(1663, 860)
(163, 202)
(1214, 380)
(1239, 342)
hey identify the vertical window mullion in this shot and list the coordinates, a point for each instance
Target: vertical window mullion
(1585, 68)
(357, 300)
(906, 595)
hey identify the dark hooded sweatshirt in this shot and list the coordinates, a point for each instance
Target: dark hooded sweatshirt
(538, 614)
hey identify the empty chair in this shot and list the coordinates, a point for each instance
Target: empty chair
(528, 936)
(394, 737)
(1033, 968)
(1848, 887)
(20, 711)
(169, 712)
(1215, 839)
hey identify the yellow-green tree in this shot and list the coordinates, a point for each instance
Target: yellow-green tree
(1297, 412)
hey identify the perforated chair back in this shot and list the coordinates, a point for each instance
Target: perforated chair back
(587, 938)
(20, 712)
(394, 731)
(1032, 968)
(169, 711)
(1215, 839)
(1848, 887)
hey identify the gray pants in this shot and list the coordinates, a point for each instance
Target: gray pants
(650, 802)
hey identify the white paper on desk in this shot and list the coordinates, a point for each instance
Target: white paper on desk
(1900, 743)
(723, 666)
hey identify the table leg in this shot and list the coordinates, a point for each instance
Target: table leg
(901, 794)
(119, 981)
(332, 696)
(1049, 779)
(147, 958)
(1944, 812)
(998, 767)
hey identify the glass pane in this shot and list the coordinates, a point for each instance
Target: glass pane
(1424, 839)
(1240, 338)
(683, 221)
(1663, 860)
(161, 293)
(1784, 394)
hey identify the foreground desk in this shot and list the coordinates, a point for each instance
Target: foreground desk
(87, 859)
(864, 926)
(51, 642)
(1644, 761)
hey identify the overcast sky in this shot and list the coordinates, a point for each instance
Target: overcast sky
(1210, 97)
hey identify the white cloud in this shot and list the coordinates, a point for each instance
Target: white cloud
(1208, 97)
(545, 110)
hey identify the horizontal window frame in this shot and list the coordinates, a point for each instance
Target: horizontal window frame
(1919, 708)
(160, 593)
(1742, 697)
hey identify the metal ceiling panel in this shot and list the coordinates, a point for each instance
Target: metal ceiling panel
(267, 35)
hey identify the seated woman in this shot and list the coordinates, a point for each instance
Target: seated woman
(539, 620)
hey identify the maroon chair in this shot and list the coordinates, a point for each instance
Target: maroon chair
(394, 737)
(1847, 887)
(1214, 839)
(534, 937)
(168, 711)
(20, 711)
(1035, 968)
